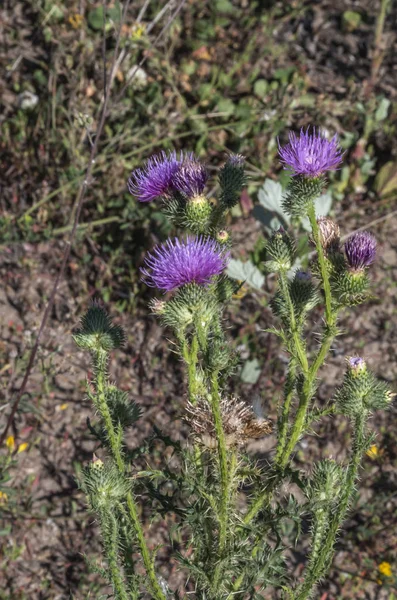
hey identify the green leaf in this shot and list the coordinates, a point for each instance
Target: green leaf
(247, 272)
(251, 371)
(386, 180)
(261, 87)
(382, 110)
(270, 211)
(95, 16)
(351, 20)
(225, 6)
(225, 105)
(271, 197)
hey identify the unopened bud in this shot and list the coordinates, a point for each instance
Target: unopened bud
(360, 390)
(222, 236)
(281, 251)
(356, 365)
(198, 213)
(232, 180)
(97, 332)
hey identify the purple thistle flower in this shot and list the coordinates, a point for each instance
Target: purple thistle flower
(311, 155)
(155, 178)
(360, 250)
(177, 263)
(191, 177)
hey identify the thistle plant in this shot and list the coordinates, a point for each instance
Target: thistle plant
(229, 509)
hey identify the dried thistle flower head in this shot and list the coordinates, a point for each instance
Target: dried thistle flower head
(329, 234)
(239, 421)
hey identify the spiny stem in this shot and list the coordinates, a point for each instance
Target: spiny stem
(319, 567)
(109, 530)
(329, 316)
(226, 477)
(100, 360)
(288, 395)
(190, 356)
(146, 557)
(298, 347)
(100, 363)
(310, 375)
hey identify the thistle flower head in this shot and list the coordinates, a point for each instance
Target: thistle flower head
(236, 160)
(360, 390)
(360, 250)
(239, 422)
(191, 177)
(97, 331)
(310, 155)
(155, 177)
(356, 364)
(179, 262)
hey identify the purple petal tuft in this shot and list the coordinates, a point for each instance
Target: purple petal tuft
(191, 177)
(311, 155)
(360, 250)
(177, 263)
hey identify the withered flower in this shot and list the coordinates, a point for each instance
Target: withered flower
(240, 423)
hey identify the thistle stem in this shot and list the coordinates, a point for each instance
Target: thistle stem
(226, 475)
(284, 417)
(311, 373)
(100, 360)
(109, 532)
(298, 347)
(146, 557)
(190, 356)
(320, 565)
(329, 315)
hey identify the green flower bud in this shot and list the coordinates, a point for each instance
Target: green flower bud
(226, 288)
(325, 484)
(304, 297)
(97, 333)
(280, 248)
(190, 304)
(350, 287)
(222, 237)
(198, 213)
(301, 193)
(219, 355)
(103, 484)
(360, 390)
(232, 180)
(304, 294)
